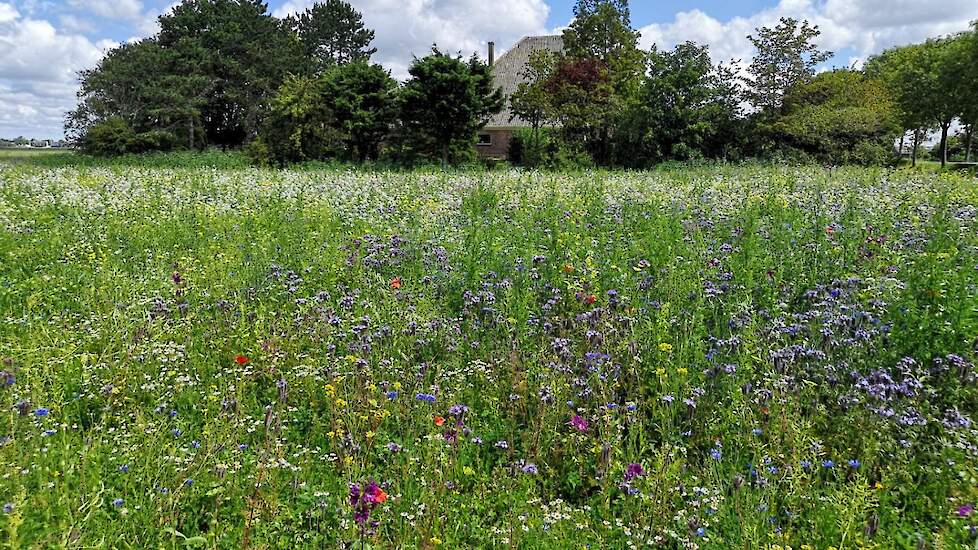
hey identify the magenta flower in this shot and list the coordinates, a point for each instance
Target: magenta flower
(578, 423)
(965, 511)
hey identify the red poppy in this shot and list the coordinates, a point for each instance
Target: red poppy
(241, 359)
(379, 495)
(396, 283)
(590, 299)
(439, 421)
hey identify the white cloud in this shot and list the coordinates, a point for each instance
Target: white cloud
(864, 27)
(38, 67)
(410, 27)
(128, 10)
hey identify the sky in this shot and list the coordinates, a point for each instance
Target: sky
(44, 43)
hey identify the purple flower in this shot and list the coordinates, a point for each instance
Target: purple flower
(578, 423)
(529, 468)
(965, 511)
(634, 470)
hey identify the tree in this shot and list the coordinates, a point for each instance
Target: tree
(300, 125)
(448, 99)
(126, 83)
(786, 57)
(840, 116)
(600, 36)
(531, 102)
(686, 108)
(244, 53)
(582, 95)
(602, 29)
(902, 70)
(333, 33)
(362, 99)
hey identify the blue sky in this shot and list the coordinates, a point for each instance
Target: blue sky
(43, 43)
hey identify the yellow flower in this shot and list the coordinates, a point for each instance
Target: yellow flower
(468, 471)
(665, 348)
(341, 402)
(397, 385)
(436, 541)
(370, 435)
(348, 460)
(660, 371)
(682, 370)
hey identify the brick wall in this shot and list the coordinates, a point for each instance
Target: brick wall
(498, 143)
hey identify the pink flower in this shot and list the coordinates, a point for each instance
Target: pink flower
(578, 423)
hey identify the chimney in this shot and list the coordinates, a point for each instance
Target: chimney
(492, 53)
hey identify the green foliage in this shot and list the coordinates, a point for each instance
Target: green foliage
(444, 102)
(362, 98)
(785, 57)
(531, 102)
(839, 117)
(333, 33)
(114, 136)
(300, 125)
(686, 108)
(545, 148)
(598, 75)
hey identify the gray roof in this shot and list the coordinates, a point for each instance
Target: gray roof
(507, 72)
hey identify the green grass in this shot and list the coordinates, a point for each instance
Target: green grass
(210, 356)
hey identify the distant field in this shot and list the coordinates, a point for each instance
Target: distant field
(713, 357)
(17, 155)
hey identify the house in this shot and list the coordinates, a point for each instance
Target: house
(507, 73)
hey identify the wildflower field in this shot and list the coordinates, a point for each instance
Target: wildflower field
(700, 357)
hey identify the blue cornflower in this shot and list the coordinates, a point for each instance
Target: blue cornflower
(716, 454)
(828, 464)
(430, 398)
(757, 431)
(392, 395)
(118, 502)
(530, 468)
(124, 468)
(854, 464)
(806, 464)
(41, 412)
(701, 532)
(188, 482)
(8, 507)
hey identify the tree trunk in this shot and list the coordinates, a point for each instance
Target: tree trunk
(969, 143)
(444, 156)
(903, 137)
(190, 128)
(944, 128)
(916, 143)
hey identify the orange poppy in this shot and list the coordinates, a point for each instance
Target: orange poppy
(439, 421)
(590, 299)
(380, 496)
(396, 283)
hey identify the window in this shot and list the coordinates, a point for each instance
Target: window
(485, 139)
